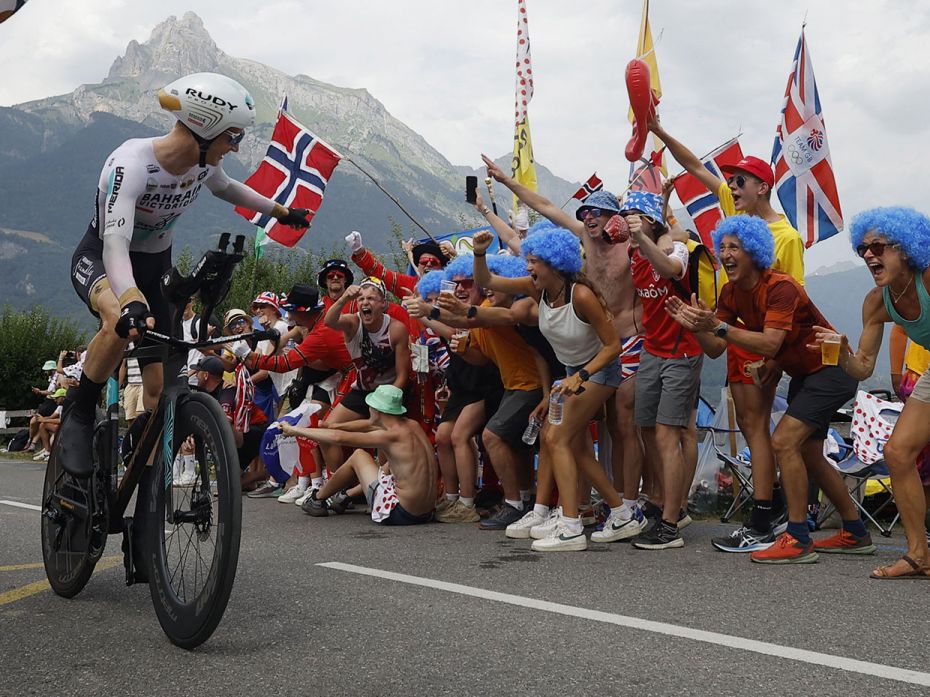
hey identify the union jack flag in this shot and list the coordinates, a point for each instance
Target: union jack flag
(702, 205)
(803, 172)
(589, 187)
(294, 173)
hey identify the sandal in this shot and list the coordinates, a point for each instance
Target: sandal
(883, 573)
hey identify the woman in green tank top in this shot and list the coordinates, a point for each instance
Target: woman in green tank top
(895, 244)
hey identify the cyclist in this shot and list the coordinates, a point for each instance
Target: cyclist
(145, 185)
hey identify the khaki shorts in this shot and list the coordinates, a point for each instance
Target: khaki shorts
(922, 388)
(132, 401)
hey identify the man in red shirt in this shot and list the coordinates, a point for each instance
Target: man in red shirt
(778, 322)
(427, 256)
(670, 364)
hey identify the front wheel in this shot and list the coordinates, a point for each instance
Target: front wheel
(192, 561)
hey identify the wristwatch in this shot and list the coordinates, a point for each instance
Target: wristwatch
(721, 330)
(472, 312)
(434, 313)
(584, 375)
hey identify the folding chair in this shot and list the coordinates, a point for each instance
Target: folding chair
(861, 461)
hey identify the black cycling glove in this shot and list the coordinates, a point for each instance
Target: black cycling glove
(296, 216)
(133, 316)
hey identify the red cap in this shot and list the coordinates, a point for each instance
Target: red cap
(754, 166)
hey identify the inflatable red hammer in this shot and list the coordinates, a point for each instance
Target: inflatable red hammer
(643, 102)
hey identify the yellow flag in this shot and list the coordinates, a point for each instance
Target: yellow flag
(645, 51)
(523, 165)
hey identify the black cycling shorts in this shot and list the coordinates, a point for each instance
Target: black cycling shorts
(89, 280)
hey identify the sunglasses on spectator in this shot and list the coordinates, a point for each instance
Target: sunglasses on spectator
(583, 213)
(235, 137)
(430, 262)
(465, 283)
(333, 275)
(739, 180)
(877, 248)
(240, 322)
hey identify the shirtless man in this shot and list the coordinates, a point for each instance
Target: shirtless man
(403, 490)
(608, 266)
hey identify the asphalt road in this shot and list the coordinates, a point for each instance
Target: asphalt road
(465, 613)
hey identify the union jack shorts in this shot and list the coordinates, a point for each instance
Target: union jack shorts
(630, 350)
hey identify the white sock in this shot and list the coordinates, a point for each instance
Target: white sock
(622, 512)
(630, 503)
(452, 497)
(573, 525)
(541, 510)
(468, 501)
(516, 504)
(316, 482)
(303, 483)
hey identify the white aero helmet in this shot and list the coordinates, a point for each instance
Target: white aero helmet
(208, 104)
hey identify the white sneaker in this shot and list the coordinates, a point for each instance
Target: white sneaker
(521, 529)
(617, 528)
(41, 455)
(292, 494)
(546, 528)
(304, 495)
(562, 540)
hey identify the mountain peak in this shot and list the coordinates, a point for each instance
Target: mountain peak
(176, 47)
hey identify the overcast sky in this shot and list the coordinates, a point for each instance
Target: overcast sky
(446, 70)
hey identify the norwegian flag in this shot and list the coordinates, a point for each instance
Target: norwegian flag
(294, 173)
(804, 177)
(245, 397)
(589, 187)
(702, 205)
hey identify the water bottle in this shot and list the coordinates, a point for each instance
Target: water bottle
(532, 431)
(556, 400)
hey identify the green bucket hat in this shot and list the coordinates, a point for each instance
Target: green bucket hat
(49, 365)
(387, 399)
(60, 392)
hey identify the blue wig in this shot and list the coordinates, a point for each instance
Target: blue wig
(544, 224)
(507, 265)
(753, 234)
(429, 284)
(902, 226)
(557, 247)
(462, 265)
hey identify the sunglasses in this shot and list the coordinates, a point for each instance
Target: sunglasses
(465, 283)
(739, 180)
(583, 213)
(333, 275)
(241, 322)
(235, 137)
(430, 262)
(877, 248)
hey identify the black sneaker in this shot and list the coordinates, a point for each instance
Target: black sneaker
(74, 443)
(488, 498)
(744, 539)
(339, 502)
(663, 535)
(314, 506)
(506, 515)
(651, 511)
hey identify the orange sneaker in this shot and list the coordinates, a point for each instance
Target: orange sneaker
(844, 542)
(786, 550)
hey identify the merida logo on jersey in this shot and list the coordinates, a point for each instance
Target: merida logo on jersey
(219, 101)
(116, 181)
(167, 202)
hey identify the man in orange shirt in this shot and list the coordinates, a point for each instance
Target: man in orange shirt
(777, 320)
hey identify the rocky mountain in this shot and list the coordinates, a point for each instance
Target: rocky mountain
(51, 151)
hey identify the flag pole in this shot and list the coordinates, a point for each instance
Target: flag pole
(390, 196)
(736, 137)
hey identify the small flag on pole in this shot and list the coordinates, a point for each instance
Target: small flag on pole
(294, 173)
(589, 187)
(803, 171)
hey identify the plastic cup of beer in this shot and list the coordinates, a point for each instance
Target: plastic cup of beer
(461, 336)
(830, 349)
(447, 287)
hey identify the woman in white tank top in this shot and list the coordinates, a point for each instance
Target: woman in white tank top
(575, 321)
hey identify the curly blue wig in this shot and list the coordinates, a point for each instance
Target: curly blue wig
(462, 265)
(429, 284)
(905, 227)
(557, 247)
(507, 265)
(753, 234)
(544, 224)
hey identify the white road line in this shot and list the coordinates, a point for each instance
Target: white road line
(765, 648)
(17, 504)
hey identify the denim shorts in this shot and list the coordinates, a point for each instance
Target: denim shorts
(608, 375)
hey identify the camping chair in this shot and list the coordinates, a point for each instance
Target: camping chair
(860, 461)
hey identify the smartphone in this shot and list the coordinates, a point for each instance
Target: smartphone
(471, 189)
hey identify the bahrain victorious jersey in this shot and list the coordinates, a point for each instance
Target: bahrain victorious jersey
(137, 199)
